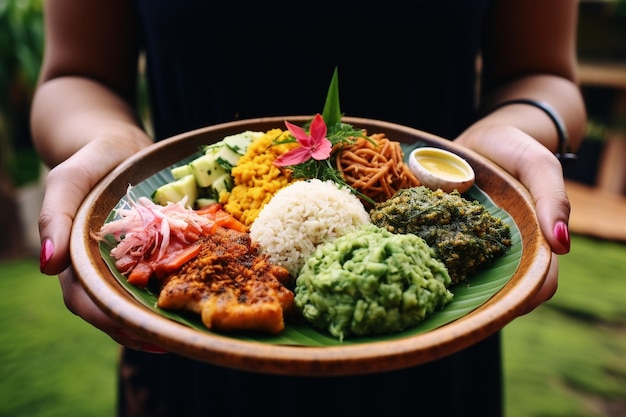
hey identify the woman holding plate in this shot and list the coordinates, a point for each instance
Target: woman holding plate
(497, 76)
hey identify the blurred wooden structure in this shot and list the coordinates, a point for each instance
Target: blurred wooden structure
(596, 212)
(610, 74)
(600, 210)
(599, 207)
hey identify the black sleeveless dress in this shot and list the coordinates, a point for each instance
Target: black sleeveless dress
(409, 62)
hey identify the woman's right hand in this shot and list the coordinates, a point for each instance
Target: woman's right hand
(67, 185)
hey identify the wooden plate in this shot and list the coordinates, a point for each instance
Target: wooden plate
(385, 355)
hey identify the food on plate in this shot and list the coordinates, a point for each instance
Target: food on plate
(201, 261)
(463, 234)
(203, 179)
(371, 281)
(256, 178)
(230, 286)
(303, 215)
(365, 248)
(375, 167)
(154, 240)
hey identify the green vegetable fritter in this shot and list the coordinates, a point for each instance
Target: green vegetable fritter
(371, 281)
(463, 234)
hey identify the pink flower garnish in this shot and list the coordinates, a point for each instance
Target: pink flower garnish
(316, 145)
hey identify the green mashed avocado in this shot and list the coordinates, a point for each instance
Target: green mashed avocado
(371, 281)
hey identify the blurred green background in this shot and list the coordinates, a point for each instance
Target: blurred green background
(567, 358)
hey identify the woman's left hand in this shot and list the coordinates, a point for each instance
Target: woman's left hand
(541, 173)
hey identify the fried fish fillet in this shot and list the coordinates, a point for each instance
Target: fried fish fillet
(231, 286)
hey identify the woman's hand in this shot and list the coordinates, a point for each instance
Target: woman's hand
(82, 131)
(67, 186)
(535, 167)
(541, 173)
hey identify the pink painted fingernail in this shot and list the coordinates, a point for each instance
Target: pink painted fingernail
(47, 250)
(561, 233)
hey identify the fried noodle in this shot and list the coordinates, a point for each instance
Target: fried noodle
(375, 167)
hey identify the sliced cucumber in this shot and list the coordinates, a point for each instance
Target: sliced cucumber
(227, 158)
(240, 142)
(209, 149)
(176, 190)
(204, 178)
(206, 170)
(223, 183)
(180, 172)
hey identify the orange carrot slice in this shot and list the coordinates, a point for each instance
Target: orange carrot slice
(173, 261)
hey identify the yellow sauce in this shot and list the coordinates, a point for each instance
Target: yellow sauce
(442, 168)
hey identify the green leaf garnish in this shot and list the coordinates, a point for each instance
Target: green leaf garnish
(332, 109)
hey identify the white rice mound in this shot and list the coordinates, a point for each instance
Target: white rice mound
(303, 215)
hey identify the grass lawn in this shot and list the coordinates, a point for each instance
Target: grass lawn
(52, 363)
(567, 358)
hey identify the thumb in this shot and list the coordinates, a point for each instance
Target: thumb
(66, 188)
(67, 185)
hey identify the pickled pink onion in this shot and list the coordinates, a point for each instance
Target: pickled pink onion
(142, 227)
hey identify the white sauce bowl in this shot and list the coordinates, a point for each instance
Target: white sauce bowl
(440, 169)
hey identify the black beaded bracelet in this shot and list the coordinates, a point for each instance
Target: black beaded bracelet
(564, 153)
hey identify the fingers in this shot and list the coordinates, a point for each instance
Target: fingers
(541, 172)
(65, 190)
(79, 303)
(67, 185)
(537, 169)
